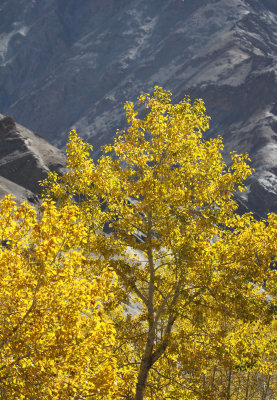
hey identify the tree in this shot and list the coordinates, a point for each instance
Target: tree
(191, 275)
(56, 338)
(186, 261)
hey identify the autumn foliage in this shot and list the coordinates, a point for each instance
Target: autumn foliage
(137, 279)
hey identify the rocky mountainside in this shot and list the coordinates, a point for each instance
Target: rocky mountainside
(66, 64)
(25, 158)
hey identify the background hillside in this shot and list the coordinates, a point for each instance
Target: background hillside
(66, 64)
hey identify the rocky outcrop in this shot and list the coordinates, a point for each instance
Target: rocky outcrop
(66, 64)
(25, 158)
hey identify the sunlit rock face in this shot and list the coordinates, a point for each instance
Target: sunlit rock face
(66, 64)
(25, 158)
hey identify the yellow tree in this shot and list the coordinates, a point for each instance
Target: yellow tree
(56, 338)
(190, 269)
(172, 189)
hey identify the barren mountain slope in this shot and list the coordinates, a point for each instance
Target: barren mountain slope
(71, 64)
(25, 158)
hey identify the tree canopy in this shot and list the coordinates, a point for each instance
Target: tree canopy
(175, 301)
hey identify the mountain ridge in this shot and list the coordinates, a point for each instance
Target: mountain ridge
(67, 66)
(25, 159)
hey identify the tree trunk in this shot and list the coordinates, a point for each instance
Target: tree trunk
(228, 394)
(142, 379)
(247, 386)
(147, 360)
(213, 378)
(265, 392)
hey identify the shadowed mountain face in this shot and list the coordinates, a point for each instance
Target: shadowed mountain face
(25, 158)
(66, 64)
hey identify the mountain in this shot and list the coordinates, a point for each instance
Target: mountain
(25, 158)
(66, 64)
